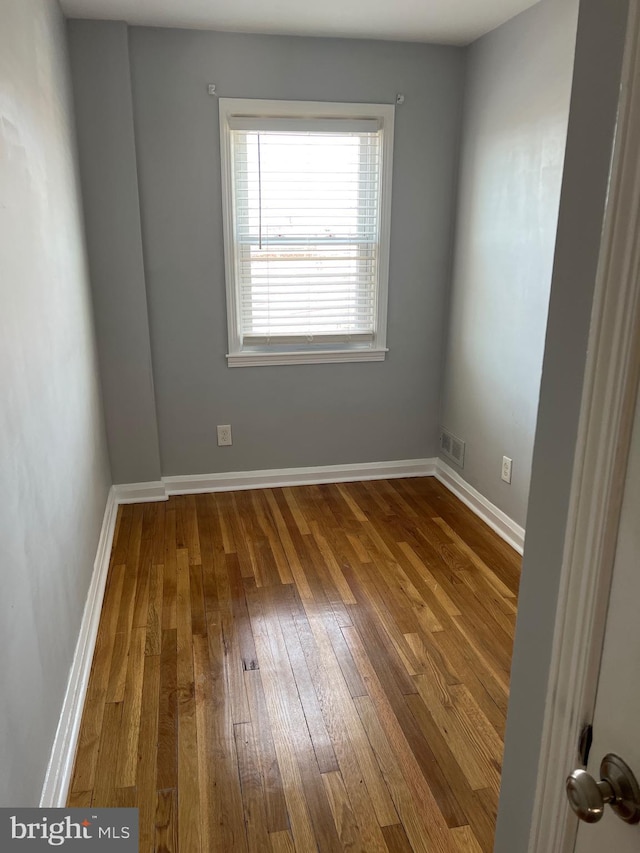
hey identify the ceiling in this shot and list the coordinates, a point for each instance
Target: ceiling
(444, 21)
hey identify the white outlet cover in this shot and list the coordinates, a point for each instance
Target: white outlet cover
(224, 435)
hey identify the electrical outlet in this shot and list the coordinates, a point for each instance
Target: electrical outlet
(224, 435)
(506, 469)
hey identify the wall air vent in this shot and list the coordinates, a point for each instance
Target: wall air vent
(452, 447)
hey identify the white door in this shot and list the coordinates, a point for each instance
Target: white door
(616, 724)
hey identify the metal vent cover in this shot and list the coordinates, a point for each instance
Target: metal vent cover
(452, 447)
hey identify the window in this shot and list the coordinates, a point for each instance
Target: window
(306, 203)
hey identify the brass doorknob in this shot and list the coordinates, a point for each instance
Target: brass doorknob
(617, 786)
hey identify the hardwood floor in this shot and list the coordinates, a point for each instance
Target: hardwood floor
(313, 668)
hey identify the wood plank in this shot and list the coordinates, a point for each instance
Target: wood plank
(127, 756)
(141, 603)
(131, 577)
(118, 669)
(201, 675)
(275, 802)
(158, 534)
(224, 502)
(106, 639)
(351, 502)
(86, 758)
(196, 589)
(291, 497)
(234, 670)
(166, 822)
(396, 839)
(121, 540)
(265, 520)
(282, 842)
(220, 789)
(243, 632)
(466, 840)
(205, 514)
(106, 769)
(153, 643)
(342, 811)
(146, 774)
(255, 816)
(189, 520)
(167, 749)
(79, 799)
(278, 512)
(169, 574)
(189, 837)
(245, 555)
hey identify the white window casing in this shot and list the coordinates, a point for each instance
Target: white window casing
(306, 193)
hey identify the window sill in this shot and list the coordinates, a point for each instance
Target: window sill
(264, 359)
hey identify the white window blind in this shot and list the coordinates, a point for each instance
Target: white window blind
(306, 231)
(305, 220)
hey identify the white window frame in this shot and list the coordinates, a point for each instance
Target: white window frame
(311, 353)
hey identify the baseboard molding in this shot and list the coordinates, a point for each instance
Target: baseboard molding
(278, 478)
(275, 478)
(58, 777)
(497, 520)
(136, 493)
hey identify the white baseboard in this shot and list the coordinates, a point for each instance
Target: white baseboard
(277, 478)
(136, 493)
(191, 484)
(58, 777)
(497, 520)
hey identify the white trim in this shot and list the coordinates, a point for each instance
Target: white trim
(265, 108)
(278, 478)
(384, 114)
(58, 776)
(496, 519)
(135, 493)
(264, 359)
(611, 381)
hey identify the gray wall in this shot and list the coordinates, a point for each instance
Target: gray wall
(53, 461)
(303, 414)
(594, 99)
(102, 92)
(514, 132)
